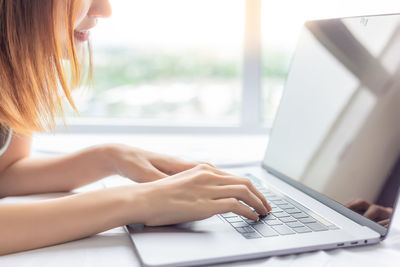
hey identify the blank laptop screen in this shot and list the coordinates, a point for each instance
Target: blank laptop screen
(337, 130)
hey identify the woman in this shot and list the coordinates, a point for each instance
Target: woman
(37, 37)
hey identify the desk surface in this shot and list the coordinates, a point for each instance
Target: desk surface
(113, 248)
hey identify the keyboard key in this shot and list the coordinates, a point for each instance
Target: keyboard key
(251, 222)
(316, 226)
(294, 224)
(239, 224)
(265, 230)
(293, 210)
(273, 222)
(228, 214)
(233, 219)
(306, 220)
(277, 209)
(246, 219)
(302, 229)
(280, 201)
(285, 206)
(287, 219)
(280, 214)
(246, 229)
(269, 216)
(284, 219)
(283, 229)
(300, 215)
(272, 198)
(251, 235)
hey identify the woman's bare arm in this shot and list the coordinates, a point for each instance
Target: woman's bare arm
(194, 194)
(49, 222)
(21, 175)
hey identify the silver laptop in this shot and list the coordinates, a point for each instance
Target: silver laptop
(336, 138)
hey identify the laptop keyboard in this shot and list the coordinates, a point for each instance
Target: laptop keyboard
(286, 218)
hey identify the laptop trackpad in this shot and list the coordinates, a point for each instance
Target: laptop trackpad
(182, 227)
(212, 220)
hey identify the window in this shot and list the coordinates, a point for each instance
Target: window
(201, 66)
(167, 62)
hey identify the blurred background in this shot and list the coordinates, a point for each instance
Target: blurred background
(209, 64)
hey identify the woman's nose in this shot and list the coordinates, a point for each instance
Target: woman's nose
(100, 9)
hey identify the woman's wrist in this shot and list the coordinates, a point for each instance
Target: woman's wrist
(106, 157)
(135, 206)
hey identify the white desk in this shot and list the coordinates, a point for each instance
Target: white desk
(113, 248)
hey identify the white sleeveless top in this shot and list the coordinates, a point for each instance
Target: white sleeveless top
(5, 146)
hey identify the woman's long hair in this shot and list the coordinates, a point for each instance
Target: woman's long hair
(36, 38)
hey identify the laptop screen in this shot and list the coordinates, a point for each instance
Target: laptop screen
(337, 130)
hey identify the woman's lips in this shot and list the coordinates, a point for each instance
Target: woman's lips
(82, 36)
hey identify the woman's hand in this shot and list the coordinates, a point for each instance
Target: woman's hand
(374, 212)
(197, 194)
(144, 166)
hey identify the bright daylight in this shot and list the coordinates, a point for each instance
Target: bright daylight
(171, 133)
(157, 61)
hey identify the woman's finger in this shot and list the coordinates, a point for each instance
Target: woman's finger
(227, 178)
(385, 223)
(375, 212)
(358, 205)
(233, 205)
(240, 192)
(231, 180)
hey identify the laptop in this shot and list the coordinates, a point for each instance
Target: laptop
(333, 151)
